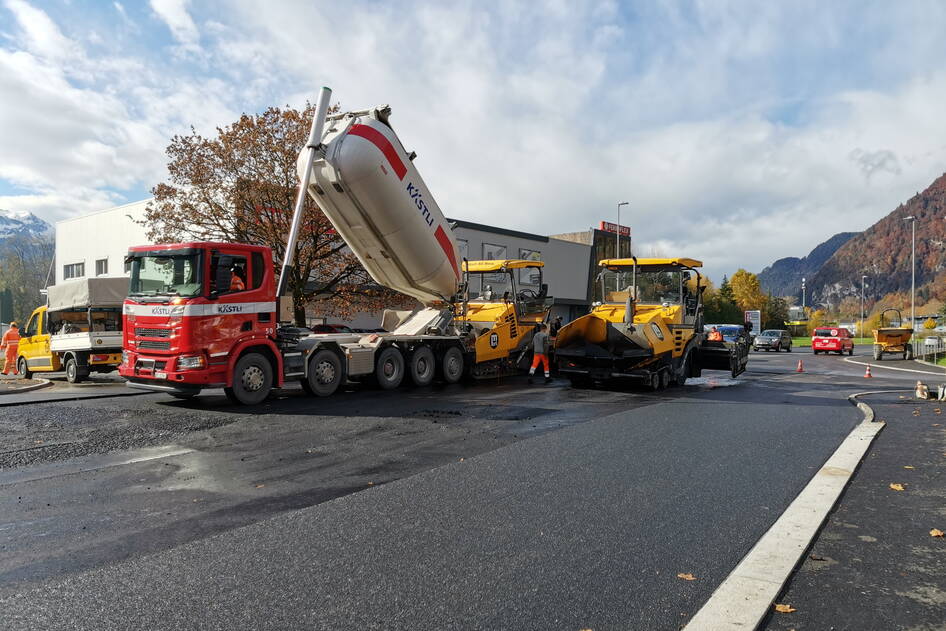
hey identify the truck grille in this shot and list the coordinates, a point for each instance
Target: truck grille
(154, 346)
(152, 332)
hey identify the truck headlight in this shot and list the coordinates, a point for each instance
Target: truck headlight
(191, 362)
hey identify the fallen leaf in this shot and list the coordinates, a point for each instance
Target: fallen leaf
(686, 577)
(37, 442)
(462, 459)
(371, 484)
(259, 486)
(896, 487)
(935, 425)
(936, 532)
(906, 466)
(784, 608)
(937, 411)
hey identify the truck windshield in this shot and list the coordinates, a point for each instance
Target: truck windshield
(653, 287)
(172, 275)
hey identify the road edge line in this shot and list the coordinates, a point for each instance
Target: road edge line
(745, 597)
(851, 360)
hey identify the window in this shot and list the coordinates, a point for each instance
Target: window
(492, 252)
(74, 270)
(101, 267)
(237, 267)
(257, 270)
(527, 275)
(128, 266)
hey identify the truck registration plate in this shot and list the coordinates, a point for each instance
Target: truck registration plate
(160, 375)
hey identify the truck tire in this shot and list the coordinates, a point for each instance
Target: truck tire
(908, 352)
(324, 374)
(74, 374)
(422, 366)
(451, 365)
(878, 352)
(23, 368)
(389, 371)
(252, 380)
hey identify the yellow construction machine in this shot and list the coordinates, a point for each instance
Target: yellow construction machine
(647, 325)
(503, 316)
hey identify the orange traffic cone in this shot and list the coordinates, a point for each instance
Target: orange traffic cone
(801, 367)
(867, 374)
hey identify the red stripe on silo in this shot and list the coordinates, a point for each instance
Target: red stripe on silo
(444, 242)
(379, 140)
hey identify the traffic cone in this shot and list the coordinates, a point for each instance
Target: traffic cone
(801, 367)
(867, 374)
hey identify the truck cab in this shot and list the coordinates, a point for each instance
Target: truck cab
(33, 352)
(202, 315)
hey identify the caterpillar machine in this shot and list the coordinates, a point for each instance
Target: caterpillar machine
(189, 326)
(647, 325)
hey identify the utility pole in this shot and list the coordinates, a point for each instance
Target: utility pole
(803, 296)
(863, 278)
(617, 234)
(912, 220)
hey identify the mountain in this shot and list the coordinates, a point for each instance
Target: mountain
(882, 253)
(783, 277)
(21, 223)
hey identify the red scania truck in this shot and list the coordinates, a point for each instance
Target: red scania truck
(206, 315)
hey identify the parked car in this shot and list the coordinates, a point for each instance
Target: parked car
(331, 328)
(836, 339)
(773, 339)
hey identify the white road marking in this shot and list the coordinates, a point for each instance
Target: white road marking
(97, 462)
(880, 365)
(746, 596)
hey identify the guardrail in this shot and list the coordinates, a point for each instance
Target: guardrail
(930, 348)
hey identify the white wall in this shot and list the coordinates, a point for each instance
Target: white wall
(106, 234)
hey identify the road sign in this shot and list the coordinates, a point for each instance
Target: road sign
(754, 318)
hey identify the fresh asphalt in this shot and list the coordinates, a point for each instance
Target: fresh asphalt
(464, 507)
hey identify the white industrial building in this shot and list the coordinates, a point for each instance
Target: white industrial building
(96, 244)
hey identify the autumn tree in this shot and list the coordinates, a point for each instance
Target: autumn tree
(747, 292)
(239, 186)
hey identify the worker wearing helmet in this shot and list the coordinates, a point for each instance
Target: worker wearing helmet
(10, 344)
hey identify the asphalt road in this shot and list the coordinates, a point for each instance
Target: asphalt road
(485, 506)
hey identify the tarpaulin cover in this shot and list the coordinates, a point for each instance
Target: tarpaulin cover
(87, 292)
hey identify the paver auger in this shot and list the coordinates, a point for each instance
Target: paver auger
(646, 325)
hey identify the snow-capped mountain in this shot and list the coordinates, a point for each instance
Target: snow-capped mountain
(21, 223)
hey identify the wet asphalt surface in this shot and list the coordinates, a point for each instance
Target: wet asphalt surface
(481, 506)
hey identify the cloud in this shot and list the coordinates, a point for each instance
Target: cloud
(739, 132)
(174, 14)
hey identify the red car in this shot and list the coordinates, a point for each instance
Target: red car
(834, 339)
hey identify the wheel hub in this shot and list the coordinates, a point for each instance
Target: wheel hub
(252, 378)
(389, 368)
(325, 372)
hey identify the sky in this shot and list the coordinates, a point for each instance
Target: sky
(739, 132)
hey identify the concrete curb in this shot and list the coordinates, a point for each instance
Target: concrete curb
(43, 383)
(743, 600)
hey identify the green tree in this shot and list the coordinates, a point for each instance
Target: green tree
(24, 267)
(775, 312)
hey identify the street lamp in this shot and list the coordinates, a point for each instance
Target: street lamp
(863, 278)
(912, 220)
(617, 234)
(803, 295)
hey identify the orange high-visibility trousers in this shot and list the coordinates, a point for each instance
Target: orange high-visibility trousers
(9, 365)
(10, 344)
(540, 358)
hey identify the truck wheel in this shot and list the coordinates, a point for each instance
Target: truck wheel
(73, 373)
(252, 380)
(664, 379)
(878, 352)
(422, 366)
(23, 368)
(451, 366)
(324, 374)
(908, 352)
(389, 370)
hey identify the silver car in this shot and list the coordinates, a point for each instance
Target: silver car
(773, 339)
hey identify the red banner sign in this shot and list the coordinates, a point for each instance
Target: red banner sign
(607, 226)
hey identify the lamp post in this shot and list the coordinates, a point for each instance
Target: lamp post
(803, 296)
(863, 278)
(912, 220)
(617, 233)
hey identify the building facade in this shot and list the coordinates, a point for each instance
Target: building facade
(96, 245)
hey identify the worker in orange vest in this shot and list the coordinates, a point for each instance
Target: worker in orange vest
(10, 344)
